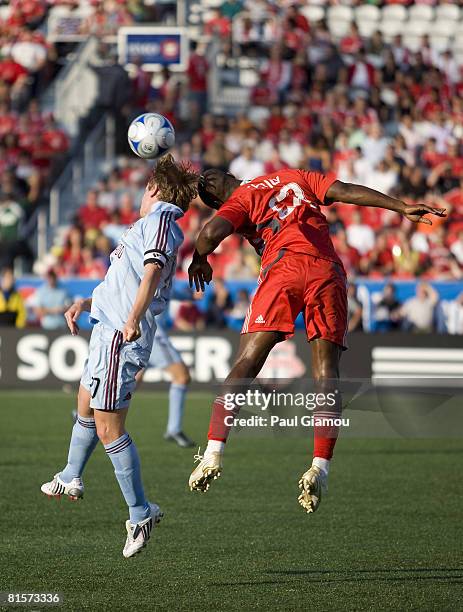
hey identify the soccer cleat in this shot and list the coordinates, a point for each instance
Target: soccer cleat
(208, 469)
(55, 488)
(180, 438)
(312, 484)
(139, 534)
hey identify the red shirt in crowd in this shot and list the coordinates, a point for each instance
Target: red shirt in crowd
(10, 71)
(93, 216)
(197, 72)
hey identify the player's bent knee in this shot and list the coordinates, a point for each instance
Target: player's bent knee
(108, 429)
(182, 377)
(103, 433)
(179, 373)
(184, 380)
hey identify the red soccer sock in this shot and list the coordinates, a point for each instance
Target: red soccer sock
(218, 430)
(324, 435)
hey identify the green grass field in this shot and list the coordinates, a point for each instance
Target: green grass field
(389, 536)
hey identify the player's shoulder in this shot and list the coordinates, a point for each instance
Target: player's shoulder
(159, 215)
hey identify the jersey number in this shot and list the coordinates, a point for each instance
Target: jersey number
(284, 194)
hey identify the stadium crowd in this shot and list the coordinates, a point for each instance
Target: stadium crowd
(370, 111)
(30, 140)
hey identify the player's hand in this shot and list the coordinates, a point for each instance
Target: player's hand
(72, 314)
(416, 212)
(131, 331)
(199, 273)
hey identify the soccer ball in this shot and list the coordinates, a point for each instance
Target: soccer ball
(151, 135)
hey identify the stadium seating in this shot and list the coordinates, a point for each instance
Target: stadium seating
(341, 125)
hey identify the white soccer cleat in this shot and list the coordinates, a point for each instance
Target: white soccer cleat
(56, 488)
(208, 469)
(139, 534)
(313, 483)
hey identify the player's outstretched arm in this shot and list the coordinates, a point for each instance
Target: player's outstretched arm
(212, 234)
(364, 196)
(143, 299)
(74, 311)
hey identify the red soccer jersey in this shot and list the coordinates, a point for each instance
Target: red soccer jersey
(284, 209)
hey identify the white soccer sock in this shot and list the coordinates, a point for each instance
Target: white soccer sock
(214, 446)
(323, 464)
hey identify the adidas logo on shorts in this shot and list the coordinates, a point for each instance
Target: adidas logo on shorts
(260, 319)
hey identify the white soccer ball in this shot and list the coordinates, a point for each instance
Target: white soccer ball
(151, 135)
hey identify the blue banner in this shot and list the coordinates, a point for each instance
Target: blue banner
(153, 46)
(367, 290)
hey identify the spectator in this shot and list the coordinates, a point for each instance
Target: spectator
(348, 255)
(91, 215)
(375, 144)
(359, 235)
(408, 261)
(30, 52)
(380, 258)
(354, 309)
(189, 316)
(361, 73)
(12, 309)
(383, 177)
(243, 266)
(387, 310)
(216, 154)
(102, 252)
(290, 150)
(219, 305)
(452, 316)
(114, 229)
(241, 306)
(351, 44)
(127, 212)
(197, 71)
(336, 224)
(418, 311)
(442, 263)
(51, 302)
(91, 265)
(246, 166)
(71, 258)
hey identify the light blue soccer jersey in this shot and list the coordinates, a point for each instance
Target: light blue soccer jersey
(153, 239)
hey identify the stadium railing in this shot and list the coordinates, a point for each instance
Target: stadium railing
(68, 191)
(226, 95)
(76, 88)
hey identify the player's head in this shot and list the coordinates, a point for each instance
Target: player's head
(170, 181)
(215, 187)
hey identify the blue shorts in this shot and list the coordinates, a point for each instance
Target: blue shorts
(111, 367)
(163, 353)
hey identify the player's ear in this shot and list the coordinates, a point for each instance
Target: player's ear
(154, 190)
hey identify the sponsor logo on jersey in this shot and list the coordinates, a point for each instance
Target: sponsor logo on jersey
(260, 319)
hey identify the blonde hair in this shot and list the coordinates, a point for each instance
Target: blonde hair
(177, 181)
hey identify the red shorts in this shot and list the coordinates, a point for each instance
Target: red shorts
(296, 282)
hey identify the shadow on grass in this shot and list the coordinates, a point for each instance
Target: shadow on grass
(449, 575)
